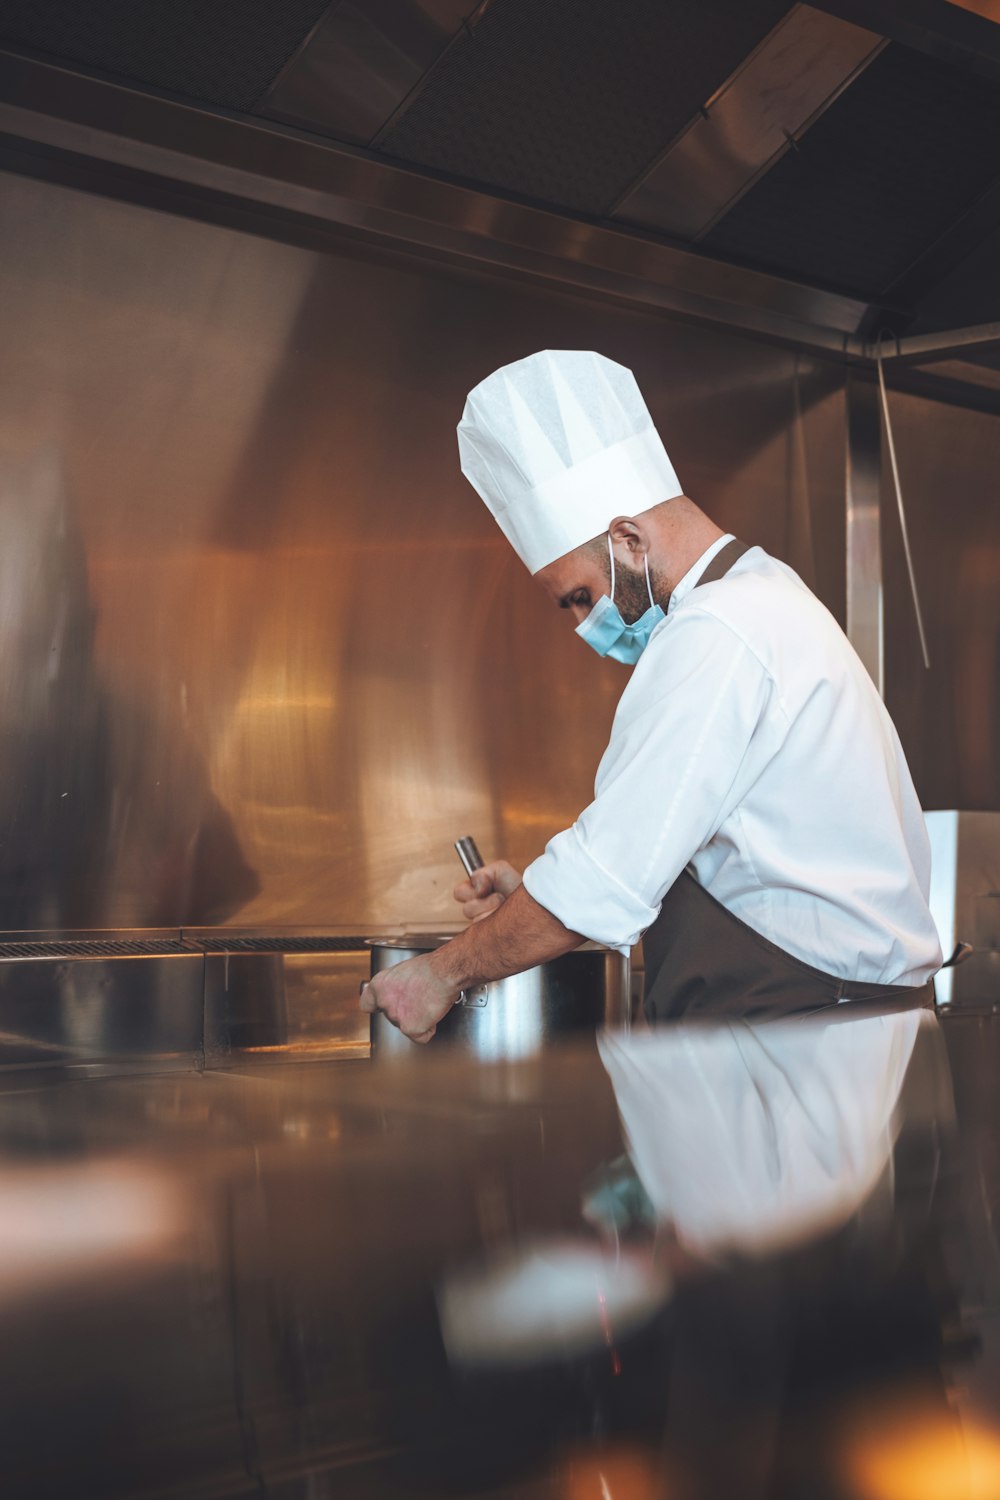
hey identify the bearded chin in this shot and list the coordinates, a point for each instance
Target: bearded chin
(631, 594)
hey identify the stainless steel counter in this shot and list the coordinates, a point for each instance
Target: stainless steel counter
(212, 1282)
(224, 1284)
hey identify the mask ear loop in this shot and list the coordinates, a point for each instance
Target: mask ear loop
(649, 586)
(611, 554)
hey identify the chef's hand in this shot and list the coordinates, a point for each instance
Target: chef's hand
(486, 889)
(410, 995)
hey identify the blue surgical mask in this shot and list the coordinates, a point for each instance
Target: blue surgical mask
(606, 631)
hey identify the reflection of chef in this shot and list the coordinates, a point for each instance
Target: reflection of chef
(794, 1166)
(757, 1138)
(106, 817)
(743, 1142)
(773, 1260)
(753, 813)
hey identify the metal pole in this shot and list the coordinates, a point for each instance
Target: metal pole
(864, 525)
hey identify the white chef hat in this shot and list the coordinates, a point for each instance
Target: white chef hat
(558, 444)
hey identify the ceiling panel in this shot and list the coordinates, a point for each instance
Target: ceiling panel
(361, 63)
(898, 158)
(796, 73)
(223, 52)
(570, 101)
(969, 294)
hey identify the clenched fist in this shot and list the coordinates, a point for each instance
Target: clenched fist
(486, 889)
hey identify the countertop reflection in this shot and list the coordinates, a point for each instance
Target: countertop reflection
(342, 1279)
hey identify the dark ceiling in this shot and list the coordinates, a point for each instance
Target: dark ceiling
(568, 102)
(876, 126)
(222, 52)
(899, 157)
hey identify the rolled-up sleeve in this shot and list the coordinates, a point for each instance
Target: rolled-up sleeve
(680, 749)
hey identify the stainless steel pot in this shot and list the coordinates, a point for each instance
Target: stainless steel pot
(515, 1017)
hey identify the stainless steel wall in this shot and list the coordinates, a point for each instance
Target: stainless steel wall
(263, 652)
(949, 717)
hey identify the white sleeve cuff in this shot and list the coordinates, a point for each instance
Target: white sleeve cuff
(585, 897)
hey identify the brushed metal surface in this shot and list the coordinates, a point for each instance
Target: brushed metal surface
(983, 375)
(185, 158)
(224, 1285)
(104, 1015)
(64, 1011)
(201, 1279)
(275, 650)
(284, 1007)
(795, 74)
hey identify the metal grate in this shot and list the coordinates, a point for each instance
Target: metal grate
(168, 947)
(97, 948)
(568, 101)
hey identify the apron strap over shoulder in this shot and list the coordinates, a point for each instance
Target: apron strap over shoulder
(723, 561)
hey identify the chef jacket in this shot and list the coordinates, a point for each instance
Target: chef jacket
(751, 747)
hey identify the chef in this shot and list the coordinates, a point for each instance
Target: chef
(753, 818)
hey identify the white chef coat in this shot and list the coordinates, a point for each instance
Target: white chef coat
(751, 746)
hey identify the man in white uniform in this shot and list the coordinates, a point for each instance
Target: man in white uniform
(753, 813)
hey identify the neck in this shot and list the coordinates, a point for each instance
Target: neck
(682, 533)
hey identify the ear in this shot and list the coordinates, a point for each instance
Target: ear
(630, 533)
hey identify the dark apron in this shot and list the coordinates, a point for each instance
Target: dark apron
(703, 961)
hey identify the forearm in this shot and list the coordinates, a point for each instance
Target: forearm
(520, 934)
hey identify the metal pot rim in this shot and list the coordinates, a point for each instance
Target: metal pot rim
(426, 941)
(415, 940)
